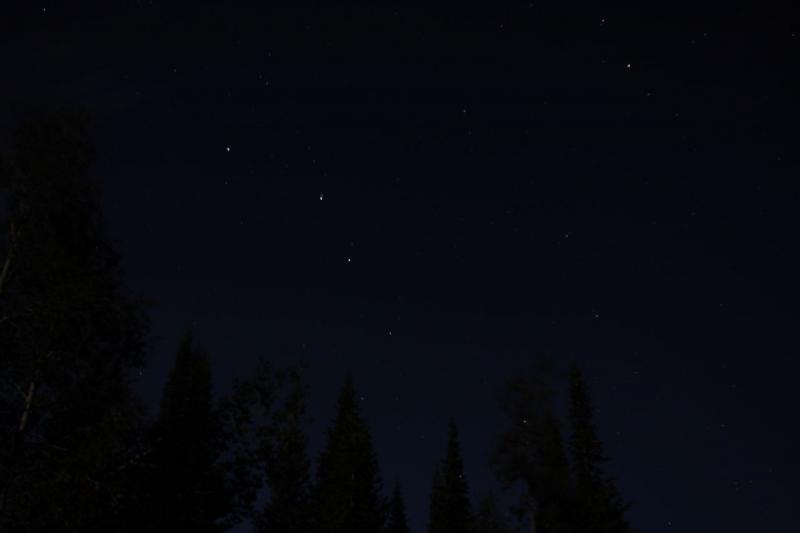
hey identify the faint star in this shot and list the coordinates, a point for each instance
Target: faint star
(227, 148)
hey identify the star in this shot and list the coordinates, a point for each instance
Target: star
(227, 148)
(321, 197)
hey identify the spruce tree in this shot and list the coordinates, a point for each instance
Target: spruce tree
(70, 336)
(398, 522)
(600, 507)
(185, 484)
(287, 474)
(451, 511)
(347, 493)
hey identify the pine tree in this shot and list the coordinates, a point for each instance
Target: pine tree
(488, 518)
(287, 465)
(451, 511)
(70, 336)
(398, 522)
(347, 493)
(185, 485)
(599, 504)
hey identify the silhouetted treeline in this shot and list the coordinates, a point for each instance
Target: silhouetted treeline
(79, 453)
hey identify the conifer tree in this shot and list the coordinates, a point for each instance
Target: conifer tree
(185, 484)
(435, 507)
(347, 493)
(398, 522)
(600, 507)
(248, 416)
(70, 336)
(286, 463)
(531, 452)
(555, 510)
(451, 511)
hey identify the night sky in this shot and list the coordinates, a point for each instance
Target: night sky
(430, 196)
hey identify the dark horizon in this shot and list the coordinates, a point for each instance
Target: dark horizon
(429, 198)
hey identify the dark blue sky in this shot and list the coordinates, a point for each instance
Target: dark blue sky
(428, 197)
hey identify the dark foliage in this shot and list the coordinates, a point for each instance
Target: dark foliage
(183, 484)
(288, 480)
(600, 506)
(347, 495)
(69, 336)
(530, 453)
(247, 419)
(397, 522)
(450, 508)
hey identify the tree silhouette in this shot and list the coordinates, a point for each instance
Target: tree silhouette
(530, 453)
(397, 523)
(600, 506)
(185, 481)
(286, 463)
(450, 509)
(347, 493)
(69, 337)
(247, 419)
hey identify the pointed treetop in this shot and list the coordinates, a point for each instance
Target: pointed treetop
(398, 522)
(450, 508)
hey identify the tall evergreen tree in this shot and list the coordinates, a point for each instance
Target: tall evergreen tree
(69, 336)
(451, 511)
(488, 518)
(286, 463)
(600, 507)
(555, 510)
(398, 522)
(435, 507)
(347, 493)
(185, 485)
(248, 414)
(531, 452)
